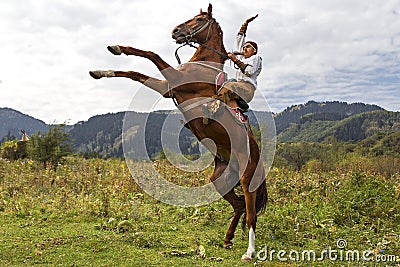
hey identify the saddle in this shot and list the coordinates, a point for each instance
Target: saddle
(215, 108)
(220, 80)
(239, 115)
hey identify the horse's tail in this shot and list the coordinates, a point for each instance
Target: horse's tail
(262, 194)
(262, 197)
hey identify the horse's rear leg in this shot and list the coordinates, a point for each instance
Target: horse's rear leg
(252, 172)
(161, 86)
(238, 204)
(251, 220)
(252, 176)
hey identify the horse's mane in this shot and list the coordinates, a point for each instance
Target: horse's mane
(221, 34)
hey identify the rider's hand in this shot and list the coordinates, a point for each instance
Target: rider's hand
(243, 28)
(232, 56)
(251, 19)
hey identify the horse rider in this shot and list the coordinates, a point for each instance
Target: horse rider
(238, 92)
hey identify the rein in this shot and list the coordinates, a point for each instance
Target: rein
(196, 47)
(176, 51)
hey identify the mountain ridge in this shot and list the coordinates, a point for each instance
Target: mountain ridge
(13, 121)
(311, 122)
(294, 113)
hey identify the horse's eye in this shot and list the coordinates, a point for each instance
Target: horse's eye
(200, 19)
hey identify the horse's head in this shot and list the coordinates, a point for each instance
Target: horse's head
(196, 29)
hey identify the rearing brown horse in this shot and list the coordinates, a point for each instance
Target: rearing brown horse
(237, 155)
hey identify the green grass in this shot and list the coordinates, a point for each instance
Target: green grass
(92, 213)
(76, 242)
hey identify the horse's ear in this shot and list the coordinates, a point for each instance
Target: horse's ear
(209, 10)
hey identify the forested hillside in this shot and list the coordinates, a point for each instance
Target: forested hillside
(102, 135)
(315, 128)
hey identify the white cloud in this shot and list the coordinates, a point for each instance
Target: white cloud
(312, 50)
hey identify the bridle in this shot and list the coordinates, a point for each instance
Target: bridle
(190, 39)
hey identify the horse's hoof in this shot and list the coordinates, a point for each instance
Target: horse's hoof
(228, 246)
(248, 256)
(97, 74)
(114, 49)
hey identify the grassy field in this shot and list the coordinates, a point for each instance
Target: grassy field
(92, 213)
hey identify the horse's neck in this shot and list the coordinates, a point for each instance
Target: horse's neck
(204, 53)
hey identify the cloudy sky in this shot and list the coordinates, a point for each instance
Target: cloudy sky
(323, 50)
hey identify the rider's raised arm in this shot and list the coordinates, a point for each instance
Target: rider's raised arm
(240, 37)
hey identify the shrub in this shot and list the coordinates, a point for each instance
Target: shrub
(50, 147)
(9, 150)
(365, 199)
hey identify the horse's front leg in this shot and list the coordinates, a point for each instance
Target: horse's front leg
(171, 74)
(161, 86)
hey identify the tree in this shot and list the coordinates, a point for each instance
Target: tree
(294, 155)
(50, 147)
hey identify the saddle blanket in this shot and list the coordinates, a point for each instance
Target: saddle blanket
(238, 114)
